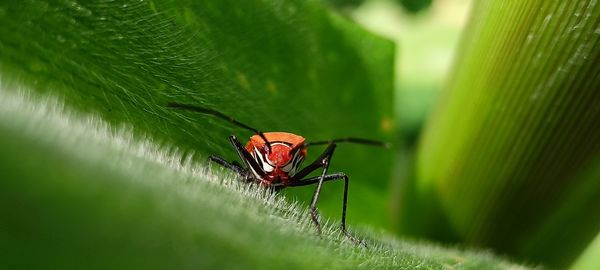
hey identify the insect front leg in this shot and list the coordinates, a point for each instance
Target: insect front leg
(257, 172)
(323, 163)
(331, 177)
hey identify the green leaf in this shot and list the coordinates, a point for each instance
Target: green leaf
(509, 160)
(278, 67)
(79, 193)
(99, 174)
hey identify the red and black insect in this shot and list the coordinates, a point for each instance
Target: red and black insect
(273, 159)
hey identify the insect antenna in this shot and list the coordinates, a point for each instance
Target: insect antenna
(352, 140)
(218, 114)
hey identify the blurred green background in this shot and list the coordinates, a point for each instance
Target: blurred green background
(491, 107)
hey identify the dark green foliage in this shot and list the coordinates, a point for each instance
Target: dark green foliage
(345, 3)
(415, 6)
(279, 67)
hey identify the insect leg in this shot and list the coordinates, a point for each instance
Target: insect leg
(321, 162)
(326, 178)
(317, 164)
(247, 158)
(234, 166)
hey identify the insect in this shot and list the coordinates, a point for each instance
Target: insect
(273, 159)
